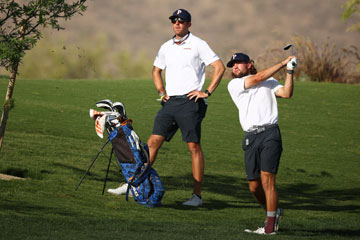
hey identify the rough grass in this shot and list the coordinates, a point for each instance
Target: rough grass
(50, 140)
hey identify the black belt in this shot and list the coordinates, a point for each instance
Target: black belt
(261, 129)
(179, 96)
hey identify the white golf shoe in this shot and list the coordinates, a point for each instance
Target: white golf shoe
(194, 201)
(260, 231)
(120, 190)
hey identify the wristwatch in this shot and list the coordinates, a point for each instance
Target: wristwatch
(208, 93)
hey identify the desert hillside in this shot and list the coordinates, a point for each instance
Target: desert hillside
(120, 38)
(244, 25)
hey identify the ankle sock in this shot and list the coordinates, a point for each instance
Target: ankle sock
(270, 222)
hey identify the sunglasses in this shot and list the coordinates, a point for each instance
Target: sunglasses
(180, 20)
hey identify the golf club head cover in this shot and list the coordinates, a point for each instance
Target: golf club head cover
(100, 125)
(291, 64)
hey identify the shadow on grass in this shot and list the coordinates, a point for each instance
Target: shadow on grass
(224, 188)
(332, 233)
(114, 175)
(306, 196)
(22, 207)
(301, 196)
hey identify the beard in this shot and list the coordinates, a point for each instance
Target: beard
(239, 75)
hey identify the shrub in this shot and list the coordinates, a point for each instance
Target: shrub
(327, 63)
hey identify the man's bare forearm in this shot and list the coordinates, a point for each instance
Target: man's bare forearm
(158, 81)
(218, 72)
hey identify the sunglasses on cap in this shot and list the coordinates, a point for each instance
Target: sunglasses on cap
(180, 20)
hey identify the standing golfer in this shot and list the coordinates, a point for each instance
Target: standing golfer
(184, 58)
(255, 94)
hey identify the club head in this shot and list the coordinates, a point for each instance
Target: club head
(112, 122)
(106, 103)
(120, 108)
(287, 47)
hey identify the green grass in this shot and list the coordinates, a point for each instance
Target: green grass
(51, 141)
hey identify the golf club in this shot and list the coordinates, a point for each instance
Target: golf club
(292, 52)
(287, 48)
(107, 104)
(120, 108)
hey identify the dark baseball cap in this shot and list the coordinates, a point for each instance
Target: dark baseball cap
(238, 57)
(181, 13)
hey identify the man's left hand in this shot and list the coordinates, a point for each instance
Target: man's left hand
(291, 64)
(196, 94)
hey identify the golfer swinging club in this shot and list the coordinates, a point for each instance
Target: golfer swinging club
(184, 57)
(255, 94)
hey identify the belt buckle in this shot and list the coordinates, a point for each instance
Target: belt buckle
(260, 129)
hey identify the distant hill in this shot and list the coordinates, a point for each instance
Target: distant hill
(131, 27)
(229, 25)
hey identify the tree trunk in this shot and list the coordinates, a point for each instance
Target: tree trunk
(7, 107)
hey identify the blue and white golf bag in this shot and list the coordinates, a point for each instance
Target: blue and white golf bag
(133, 157)
(131, 154)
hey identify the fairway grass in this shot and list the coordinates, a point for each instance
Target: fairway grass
(50, 141)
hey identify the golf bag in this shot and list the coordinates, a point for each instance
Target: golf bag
(132, 154)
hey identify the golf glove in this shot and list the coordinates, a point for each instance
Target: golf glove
(291, 64)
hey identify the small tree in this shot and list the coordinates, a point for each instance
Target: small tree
(20, 26)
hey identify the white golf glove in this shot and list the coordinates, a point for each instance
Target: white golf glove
(291, 64)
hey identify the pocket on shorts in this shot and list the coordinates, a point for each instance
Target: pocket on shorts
(201, 107)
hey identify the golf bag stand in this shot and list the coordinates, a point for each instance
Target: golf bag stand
(92, 163)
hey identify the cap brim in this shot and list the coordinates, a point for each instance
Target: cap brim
(230, 64)
(178, 16)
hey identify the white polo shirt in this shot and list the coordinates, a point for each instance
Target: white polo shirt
(257, 105)
(184, 64)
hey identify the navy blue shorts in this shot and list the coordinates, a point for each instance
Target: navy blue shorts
(262, 152)
(180, 112)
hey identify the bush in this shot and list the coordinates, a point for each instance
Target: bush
(321, 64)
